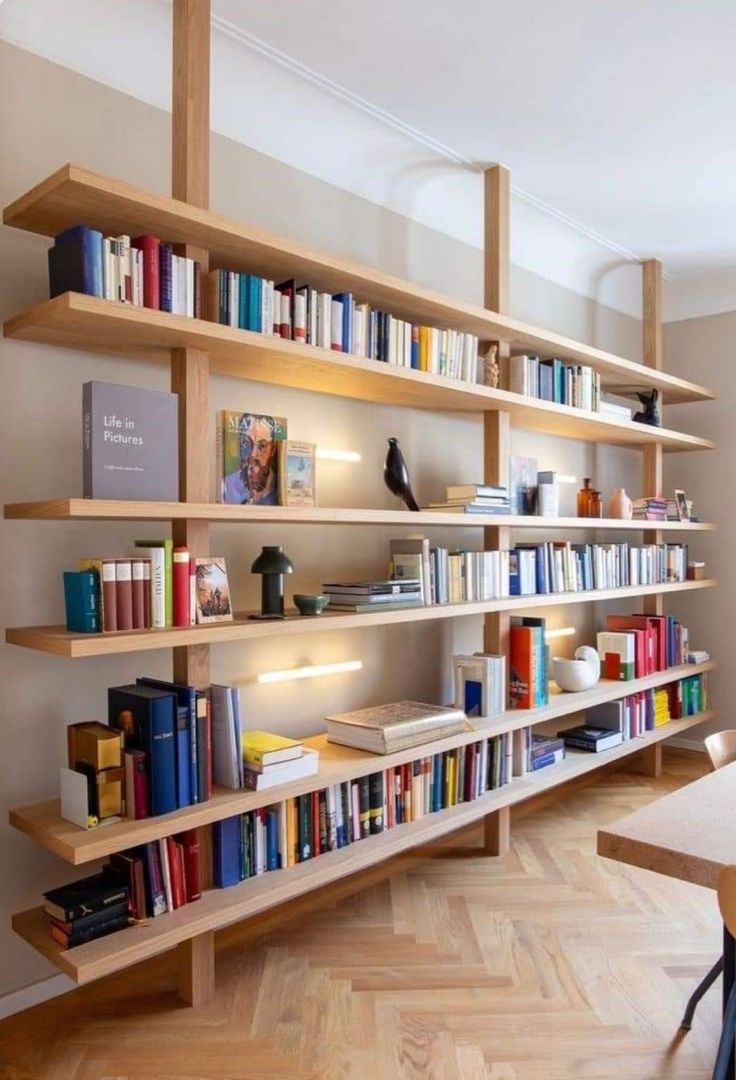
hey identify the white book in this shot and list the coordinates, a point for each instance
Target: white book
(336, 334)
(158, 583)
(108, 289)
(267, 307)
(285, 772)
(189, 269)
(234, 296)
(358, 330)
(313, 310)
(226, 750)
(166, 873)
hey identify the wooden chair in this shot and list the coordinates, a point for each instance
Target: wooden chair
(721, 748)
(723, 1067)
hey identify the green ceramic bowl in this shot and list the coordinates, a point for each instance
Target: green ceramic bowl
(310, 605)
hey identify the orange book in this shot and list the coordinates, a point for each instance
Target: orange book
(423, 348)
(521, 667)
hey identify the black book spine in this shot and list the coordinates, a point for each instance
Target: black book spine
(365, 806)
(324, 844)
(375, 796)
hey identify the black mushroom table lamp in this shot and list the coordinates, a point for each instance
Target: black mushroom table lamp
(272, 564)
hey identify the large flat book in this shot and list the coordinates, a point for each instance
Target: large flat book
(384, 729)
(130, 443)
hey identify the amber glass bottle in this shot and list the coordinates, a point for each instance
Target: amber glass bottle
(585, 495)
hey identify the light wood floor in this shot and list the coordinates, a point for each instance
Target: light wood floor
(545, 965)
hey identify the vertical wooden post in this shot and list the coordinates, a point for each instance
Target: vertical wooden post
(651, 758)
(190, 374)
(497, 431)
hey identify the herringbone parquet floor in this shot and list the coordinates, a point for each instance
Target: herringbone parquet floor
(548, 964)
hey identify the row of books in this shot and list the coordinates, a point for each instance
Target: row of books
(140, 271)
(475, 499)
(576, 385)
(133, 886)
(632, 646)
(561, 566)
(337, 322)
(450, 576)
(313, 824)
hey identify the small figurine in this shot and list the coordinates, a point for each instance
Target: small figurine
(650, 413)
(491, 369)
(396, 475)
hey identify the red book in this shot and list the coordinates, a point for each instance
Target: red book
(521, 666)
(124, 593)
(130, 868)
(151, 247)
(180, 585)
(176, 870)
(137, 805)
(286, 289)
(192, 866)
(316, 850)
(138, 577)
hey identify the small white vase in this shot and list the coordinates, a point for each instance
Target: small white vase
(579, 674)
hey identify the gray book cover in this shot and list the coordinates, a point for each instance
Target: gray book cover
(130, 443)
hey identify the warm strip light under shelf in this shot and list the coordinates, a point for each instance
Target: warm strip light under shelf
(561, 631)
(311, 671)
(324, 453)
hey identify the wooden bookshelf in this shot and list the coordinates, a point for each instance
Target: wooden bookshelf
(193, 348)
(73, 194)
(44, 824)
(62, 642)
(221, 907)
(120, 510)
(76, 321)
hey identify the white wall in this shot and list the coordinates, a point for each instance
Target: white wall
(48, 116)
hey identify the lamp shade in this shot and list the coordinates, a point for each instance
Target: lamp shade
(272, 561)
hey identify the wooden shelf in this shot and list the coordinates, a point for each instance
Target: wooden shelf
(221, 907)
(76, 321)
(44, 824)
(74, 195)
(61, 642)
(118, 510)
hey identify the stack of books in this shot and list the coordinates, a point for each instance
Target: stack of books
(86, 910)
(141, 271)
(613, 411)
(475, 499)
(650, 508)
(590, 738)
(271, 760)
(544, 750)
(480, 684)
(576, 385)
(365, 596)
(384, 729)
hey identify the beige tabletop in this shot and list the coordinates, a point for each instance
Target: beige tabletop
(690, 834)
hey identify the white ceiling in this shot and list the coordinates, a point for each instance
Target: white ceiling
(616, 118)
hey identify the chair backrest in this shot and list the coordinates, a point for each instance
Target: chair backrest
(721, 748)
(727, 897)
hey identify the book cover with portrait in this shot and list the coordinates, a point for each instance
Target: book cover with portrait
(248, 459)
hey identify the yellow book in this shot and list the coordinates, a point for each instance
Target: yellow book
(450, 781)
(423, 347)
(291, 837)
(262, 748)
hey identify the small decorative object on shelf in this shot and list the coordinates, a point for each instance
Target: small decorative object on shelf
(396, 475)
(491, 371)
(311, 605)
(683, 511)
(548, 495)
(272, 564)
(696, 571)
(650, 413)
(578, 674)
(589, 501)
(621, 505)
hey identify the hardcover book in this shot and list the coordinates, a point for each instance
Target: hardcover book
(296, 468)
(384, 728)
(147, 716)
(247, 457)
(130, 443)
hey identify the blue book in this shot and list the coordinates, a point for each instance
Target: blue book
(186, 698)
(166, 253)
(88, 242)
(255, 289)
(81, 592)
(147, 716)
(272, 839)
(227, 852)
(414, 346)
(243, 307)
(348, 306)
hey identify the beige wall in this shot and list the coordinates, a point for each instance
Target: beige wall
(703, 349)
(49, 116)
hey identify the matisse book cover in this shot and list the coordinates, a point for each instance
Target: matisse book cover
(130, 443)
(247, 457)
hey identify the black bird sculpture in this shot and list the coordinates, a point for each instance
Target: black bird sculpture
(396, 475)
(650, 413)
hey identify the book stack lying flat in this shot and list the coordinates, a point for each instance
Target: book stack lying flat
(364, 596)
(590, 738)
(87, 909)
(385, 729)
(271, 760)
(545, 750)
(651, 508)
(612, 410)
(475, 499)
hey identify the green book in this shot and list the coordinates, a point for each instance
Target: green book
(305, 827)
(168, 546)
